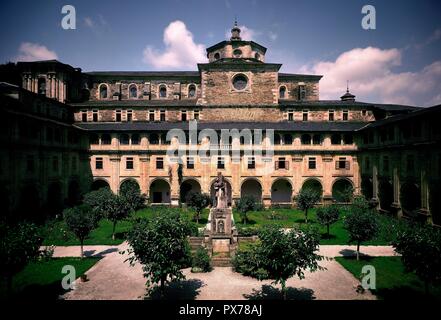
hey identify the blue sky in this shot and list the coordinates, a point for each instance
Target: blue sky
(306, 36)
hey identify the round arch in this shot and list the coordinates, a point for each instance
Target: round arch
(281, 191)
(188, 186)
(342, 190)
(410, 197)
(251, 187)
(367, 187)
(385, 194)
(313, 184)
(129, 184)
(160, 191)
(99, 183)
(228, 191)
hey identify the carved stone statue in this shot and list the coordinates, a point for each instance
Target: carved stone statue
(220, 227)
(220, 191)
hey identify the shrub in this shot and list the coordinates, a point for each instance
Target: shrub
(201, 260)
(198, 201)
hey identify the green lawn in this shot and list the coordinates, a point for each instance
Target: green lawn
(290, 217)
(392, 282)
(56, 232)
(42, 279)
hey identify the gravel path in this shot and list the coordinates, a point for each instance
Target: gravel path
(112, 278)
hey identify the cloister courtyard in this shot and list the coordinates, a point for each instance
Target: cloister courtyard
(110, 277)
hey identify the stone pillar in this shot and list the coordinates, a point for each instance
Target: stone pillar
(374, 182)
(357, 175)
(328, 168)
(266, 181)
(174, 181)
(144, 161)
(396, 186)
(115, 161)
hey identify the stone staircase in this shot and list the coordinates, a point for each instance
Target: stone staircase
(195, 243)
(221, 260)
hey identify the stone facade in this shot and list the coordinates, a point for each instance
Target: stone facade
(316, 143)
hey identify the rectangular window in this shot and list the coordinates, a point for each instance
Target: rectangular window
(30, 167)
(305, 115)
(302, 92)
(331, 115)
(162, 115)
(55, 164)
(183, 115)
(84, 116)
(98, 163)
(95, 115)
(290, 115)
(196, 115)
(363, 113)
(281, 164)
(345, 115)
(342, 164)
(152, 115)
(160, 163)
(220, 163)
(129, 115)
(190, 163)
(118, 116)
(251, 163)
(312, 163)
(129, 163)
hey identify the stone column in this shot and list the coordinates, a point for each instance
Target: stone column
(144, 161)
(328, 168)
(357, 175)
(115, 161)
(396, 186)
(266, 181)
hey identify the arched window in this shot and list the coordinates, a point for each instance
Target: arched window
(106, 139)
(217, 56)
(277, 139)
(287, 139)
(282, 92)
(336, 138)
(135, 138)
(154, 139)
(348, 139)
(103, 91)
(124, 139)
(94, 139)
(317, 139)
(42, 86)
(257, 56)
(192, 91)
(163, 92)
(133, 91)
(306, 139)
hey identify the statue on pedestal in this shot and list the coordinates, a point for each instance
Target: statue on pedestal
(220, 191)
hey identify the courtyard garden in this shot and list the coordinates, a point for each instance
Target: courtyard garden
(41, 279)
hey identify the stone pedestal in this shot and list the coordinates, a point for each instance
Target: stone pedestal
(220, 232)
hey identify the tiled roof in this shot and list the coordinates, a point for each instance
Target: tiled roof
(279, 126)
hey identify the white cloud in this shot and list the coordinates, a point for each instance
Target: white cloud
(89, 22)
(371, 76)
(33, 51)
(273, 36)
(180, 49)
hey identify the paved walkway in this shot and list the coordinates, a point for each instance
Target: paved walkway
(113, 278)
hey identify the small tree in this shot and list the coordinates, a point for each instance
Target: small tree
(201, 260)
(361, 222)
(328, 215)
(198, 201)
(420, 249)
(130, 191)
(109, 205)
(100, 200)
(306, 199)
(161, 245)
(244, 205)
(19, 244)
(81, 220)
(119, 209)
(281, 255)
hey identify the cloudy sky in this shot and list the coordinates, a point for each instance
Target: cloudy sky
(398, 62)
